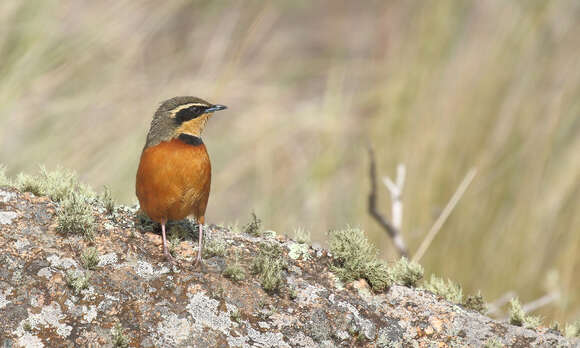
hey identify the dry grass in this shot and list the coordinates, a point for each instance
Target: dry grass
(442, 86)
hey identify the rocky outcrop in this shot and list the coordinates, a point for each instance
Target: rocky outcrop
(55, 293)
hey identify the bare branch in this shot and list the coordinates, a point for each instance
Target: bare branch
(444, 214)
(391, 230)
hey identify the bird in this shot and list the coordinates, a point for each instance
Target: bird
(174, 174)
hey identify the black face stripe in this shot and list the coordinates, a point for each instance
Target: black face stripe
(190, 113)
(190, 139)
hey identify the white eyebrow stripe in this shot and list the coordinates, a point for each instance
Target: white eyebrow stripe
(184, 106)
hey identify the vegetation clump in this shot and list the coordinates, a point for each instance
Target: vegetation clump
(356, 258)
(573, 330)
(235, 272)
(77, 280)
(406, 273)
(59, 184)
(268, 265)
(75, 217)
(254, 226)
(118, 338)
(449, 290)
(476, 302)
(214, 247)
(108, 201)
(519, 318)
(90, 258)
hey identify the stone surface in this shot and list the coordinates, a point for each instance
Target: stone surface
(158, 305)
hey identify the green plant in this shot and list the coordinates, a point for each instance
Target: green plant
(406, 273)
(90, 258)
(77, 280)
(519, 318)
(493, 343)
(268, 265)
(214, 247)
(298, 251)
(235, 316)
(355, 258)
(119, 339)
(573, 330)
(476, 302)
(253, 227)
(59, 184)
(235, 272)
(75, 217)
(301, 235)
(450, 290)
(107, 199)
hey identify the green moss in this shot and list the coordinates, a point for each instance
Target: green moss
(476, 302)
(75, 217)
(90, 258)
(573, 330)
(118, 338)
(406, 273)
(302, 235)
(450, 290)
(254, 226)
(268, 265)
(107, 199)
(214, 247)
(77, 280)
(519, 318)
(235, 272)
(299, 251)
(59, 184)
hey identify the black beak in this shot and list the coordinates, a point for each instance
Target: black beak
(215, 108)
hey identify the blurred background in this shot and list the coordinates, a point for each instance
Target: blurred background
(441, 86)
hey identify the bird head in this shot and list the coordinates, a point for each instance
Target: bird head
(180, 115)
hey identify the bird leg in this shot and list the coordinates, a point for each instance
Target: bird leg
(200, 245)
(165, 250)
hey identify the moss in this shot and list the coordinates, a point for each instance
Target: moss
(235, 272)
(118, 338)
(573, 330)
(214, 247)
(476, 302)
(235, 316)
(356, 258)
(59, 184)
(75, 217)
(77, 280)
(108, 201)
(268, 265)
(519, 318)
(406, 273)
(450, 290)
(254, 226)
(90, 258)
(299, 251)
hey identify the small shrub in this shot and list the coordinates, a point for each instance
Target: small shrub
(476, 302)
(75, 217)
(253, 227)
(519, 318)
(268, 264)
(450, 290)
(214, 247)
(493, 343)
(118, 338)
(77, 280)
(108, 201)
(235, 272)
(406, 273)
(90, 258)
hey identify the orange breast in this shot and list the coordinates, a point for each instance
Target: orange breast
(173, 180)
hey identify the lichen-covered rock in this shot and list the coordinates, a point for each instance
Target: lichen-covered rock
(133, 296)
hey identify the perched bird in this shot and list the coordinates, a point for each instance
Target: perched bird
(174, 175)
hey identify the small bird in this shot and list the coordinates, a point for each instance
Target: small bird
(174, 175)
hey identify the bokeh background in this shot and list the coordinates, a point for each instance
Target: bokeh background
(441, 86)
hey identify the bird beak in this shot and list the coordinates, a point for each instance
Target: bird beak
(216, 107)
